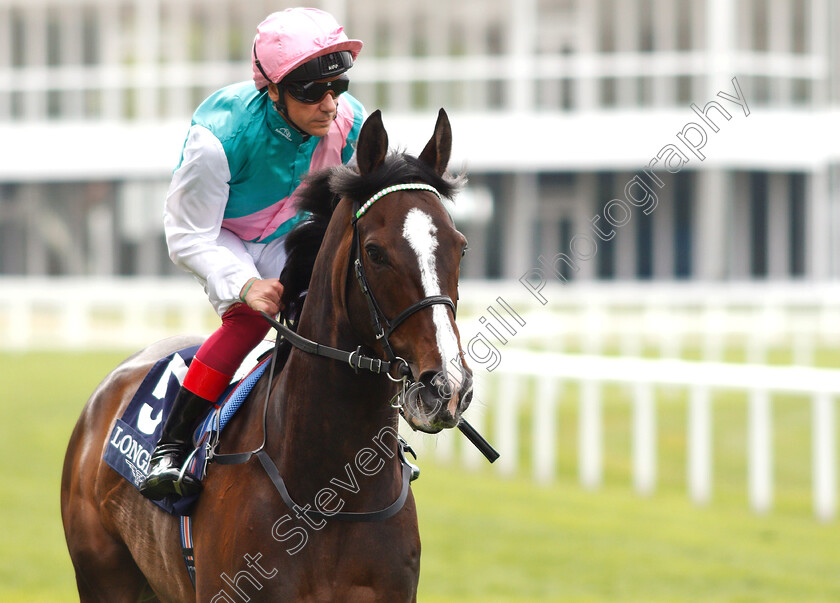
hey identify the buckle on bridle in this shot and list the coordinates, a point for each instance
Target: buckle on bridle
(358, 363)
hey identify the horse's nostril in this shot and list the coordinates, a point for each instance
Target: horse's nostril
(437, 383)
(440, 383)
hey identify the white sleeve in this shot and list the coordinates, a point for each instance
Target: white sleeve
(192, 218)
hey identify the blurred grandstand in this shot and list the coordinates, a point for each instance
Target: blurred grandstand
(556, 106)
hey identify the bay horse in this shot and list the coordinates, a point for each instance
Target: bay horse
(328, 427)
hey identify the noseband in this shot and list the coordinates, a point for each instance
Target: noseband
(383, 327)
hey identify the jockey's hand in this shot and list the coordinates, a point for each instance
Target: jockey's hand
(263, 295)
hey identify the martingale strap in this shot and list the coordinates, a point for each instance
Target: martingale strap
(389, 511)
(408, 474)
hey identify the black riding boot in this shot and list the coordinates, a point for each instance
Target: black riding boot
(172, 449)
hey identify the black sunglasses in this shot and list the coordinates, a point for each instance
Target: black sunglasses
(312, 92)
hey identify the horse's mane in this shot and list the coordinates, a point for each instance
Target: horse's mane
(318, 196)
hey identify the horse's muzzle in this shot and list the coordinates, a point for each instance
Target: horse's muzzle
(438, 399)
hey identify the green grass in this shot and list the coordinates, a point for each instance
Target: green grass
(42, 397)
(490, 540)
(487, 538)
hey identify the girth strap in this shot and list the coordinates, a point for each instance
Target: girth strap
(187, 550)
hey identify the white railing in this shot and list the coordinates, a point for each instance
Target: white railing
(592, 318)
(551, 371)
(665, 319)
(91, 313)
(596, 322)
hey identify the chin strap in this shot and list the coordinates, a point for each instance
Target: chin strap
(281, 108)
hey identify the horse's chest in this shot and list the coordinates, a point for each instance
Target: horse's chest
(292, 560)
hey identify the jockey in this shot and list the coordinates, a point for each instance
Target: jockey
(232, 201)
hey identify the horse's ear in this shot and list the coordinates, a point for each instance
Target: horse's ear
(373, 144)
(439, 148)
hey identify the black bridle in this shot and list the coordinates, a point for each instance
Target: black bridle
(384, 328)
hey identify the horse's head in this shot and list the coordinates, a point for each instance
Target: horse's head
(407, 253)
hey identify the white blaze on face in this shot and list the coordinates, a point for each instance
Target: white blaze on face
(420, 233)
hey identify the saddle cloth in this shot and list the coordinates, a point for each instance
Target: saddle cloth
(135, 434)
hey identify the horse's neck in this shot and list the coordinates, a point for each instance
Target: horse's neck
(327, 412)
(323, 399)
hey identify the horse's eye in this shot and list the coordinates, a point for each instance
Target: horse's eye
(375, 254)
(465, 250)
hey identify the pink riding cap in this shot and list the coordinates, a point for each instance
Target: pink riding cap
(287, 39)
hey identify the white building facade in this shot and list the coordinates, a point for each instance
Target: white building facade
(603, 139)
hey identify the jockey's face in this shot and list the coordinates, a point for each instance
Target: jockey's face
(313, 118)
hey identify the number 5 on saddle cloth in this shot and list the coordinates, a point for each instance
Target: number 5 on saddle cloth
(135, 434)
